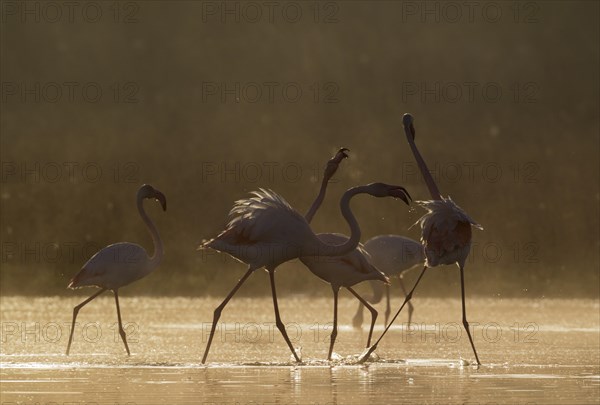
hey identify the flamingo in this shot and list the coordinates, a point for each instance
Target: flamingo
(265, 231)
(394, 255)
(120, 264)
(445, 234)
(341, 271)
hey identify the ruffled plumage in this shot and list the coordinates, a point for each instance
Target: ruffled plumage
(263, 230)
(250, 218)
(445, 232)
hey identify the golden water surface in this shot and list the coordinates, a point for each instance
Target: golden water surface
(533, 352)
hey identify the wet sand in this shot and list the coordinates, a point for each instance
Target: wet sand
(533, 352)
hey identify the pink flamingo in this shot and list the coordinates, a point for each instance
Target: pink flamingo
(445, 234)
(120, 264)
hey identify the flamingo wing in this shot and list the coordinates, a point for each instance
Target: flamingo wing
(259, 218)
(263, 220)
(113, 267)
(445, 228)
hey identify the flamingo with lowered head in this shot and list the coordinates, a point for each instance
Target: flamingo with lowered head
(265, 231)
(342, 271)
(394, 255)
(120, 264)
(445, 234)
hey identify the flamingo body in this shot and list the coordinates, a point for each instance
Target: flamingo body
(264, 231)
(113, 267)
(346, 270)
(445, 232)
(394, 254)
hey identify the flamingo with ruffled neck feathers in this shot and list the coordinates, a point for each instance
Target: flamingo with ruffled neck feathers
(265, 231)
(445, 235)
(120, 264)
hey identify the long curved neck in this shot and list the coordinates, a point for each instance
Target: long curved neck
(158, 245)
(318, 201)
(433, 190)
(325, 249)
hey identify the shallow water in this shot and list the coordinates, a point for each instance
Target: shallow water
(533, 351)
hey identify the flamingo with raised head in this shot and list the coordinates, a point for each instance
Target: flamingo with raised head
(445, 234)
(341, 271)
(120, 264)
(265, 231)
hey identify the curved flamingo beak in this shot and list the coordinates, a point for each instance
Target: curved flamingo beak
(340, 155)
(409, 128)
(160, 197)
(401, 193)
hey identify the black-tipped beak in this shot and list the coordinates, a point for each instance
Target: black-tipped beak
(401, 193)
(409, 128)
(341, 155)
(160, 197)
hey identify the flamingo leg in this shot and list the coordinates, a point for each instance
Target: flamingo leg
(334, 331)
(357, 320)
(371, 349)
(464, 313)
(75, 312)
(121, 330)
(374, 299)
(278, 322)
(388, 309)
(219, 309)
(374, 313)
(410, 305)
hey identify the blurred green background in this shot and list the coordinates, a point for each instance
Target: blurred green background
(105, 96)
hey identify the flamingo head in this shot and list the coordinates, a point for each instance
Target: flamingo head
(334, 162)
(147, 191)
(387, 190)
(409, 128)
